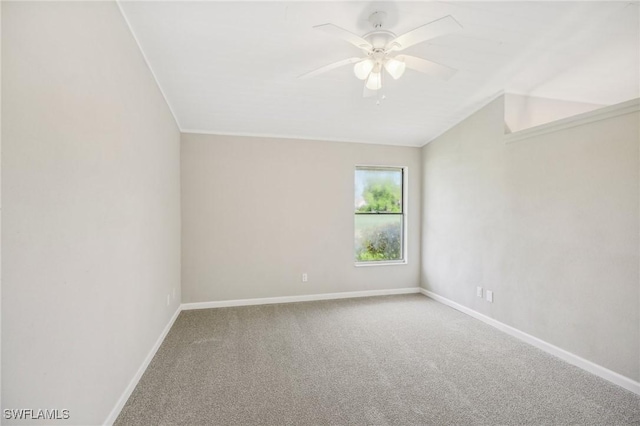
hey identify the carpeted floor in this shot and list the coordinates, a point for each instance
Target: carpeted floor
(396, 360)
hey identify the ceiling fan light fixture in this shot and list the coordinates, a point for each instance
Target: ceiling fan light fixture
(378, 47)
(374, 81)
(395, 68)
(363, 68)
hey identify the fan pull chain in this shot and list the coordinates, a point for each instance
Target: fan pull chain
(379, 96)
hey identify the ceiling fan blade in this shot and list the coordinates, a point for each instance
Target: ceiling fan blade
(330, 67)
(431, 68)
(425, 32)
(368, 93)
(348, 36)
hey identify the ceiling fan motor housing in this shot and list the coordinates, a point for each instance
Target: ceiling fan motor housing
(379, 38)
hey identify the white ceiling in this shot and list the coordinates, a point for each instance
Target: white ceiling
(232, 67)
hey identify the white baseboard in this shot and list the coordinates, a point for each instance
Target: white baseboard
(302, 298)
(573, 359)
(589, 366)
(113, 415)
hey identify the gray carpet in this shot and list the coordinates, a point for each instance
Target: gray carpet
(382, 360)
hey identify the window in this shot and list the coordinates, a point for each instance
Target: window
(379, 215)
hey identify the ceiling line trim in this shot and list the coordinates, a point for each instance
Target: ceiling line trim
(146, 60)
(603, 113)
(482, 105)
(281, 136)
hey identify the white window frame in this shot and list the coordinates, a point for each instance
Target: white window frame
(405, 216)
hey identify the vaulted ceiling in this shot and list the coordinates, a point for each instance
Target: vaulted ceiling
(232, 67)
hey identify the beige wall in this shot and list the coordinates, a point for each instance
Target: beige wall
(91, 220)
(259, 212)
(549, 223)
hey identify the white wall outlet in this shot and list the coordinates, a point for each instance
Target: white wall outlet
(305, 277)
(479, 291)
(168, 300)
(489, 296)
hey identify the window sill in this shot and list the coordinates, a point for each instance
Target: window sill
(381, 263)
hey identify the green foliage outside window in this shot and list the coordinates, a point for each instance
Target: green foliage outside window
(382, 195)
(380, 243)
(378, 233)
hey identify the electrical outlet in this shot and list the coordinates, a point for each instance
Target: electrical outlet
(168, 300)
(489, 296)
(479, 291)
(305, 277)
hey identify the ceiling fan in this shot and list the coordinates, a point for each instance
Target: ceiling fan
(380, 49)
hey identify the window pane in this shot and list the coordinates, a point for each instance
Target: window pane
(378, 191)
(378, 237)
